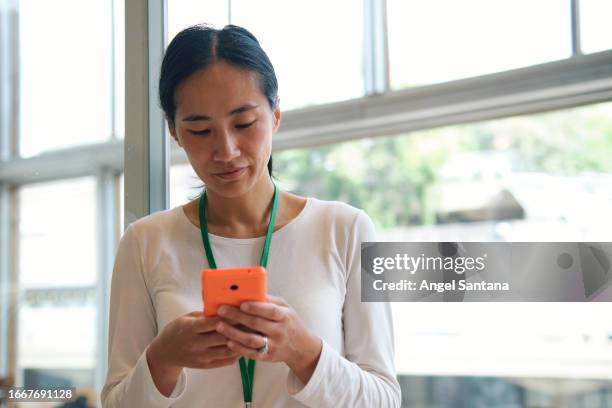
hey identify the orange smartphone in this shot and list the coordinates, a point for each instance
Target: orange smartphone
(232, 286)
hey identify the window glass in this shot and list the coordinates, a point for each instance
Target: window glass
(57, 337)
(596, 30)
(57, 234)
(184, 13)
(185, 185)
(315, 47)
(542, 177)
(121, 203)
(433, 41)
(65, 73)
(119, 53)
(538, 177)
(509, 392)
(57, 272)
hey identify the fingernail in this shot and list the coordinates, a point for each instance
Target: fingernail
(244, 306)
(219, 327)
(222, 310)
(230, 344)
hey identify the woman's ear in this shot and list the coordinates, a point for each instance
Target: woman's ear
(172, 131)
(277, 115)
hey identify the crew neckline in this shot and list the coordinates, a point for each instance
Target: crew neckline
(218, 238)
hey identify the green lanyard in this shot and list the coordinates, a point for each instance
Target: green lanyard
(247, 367)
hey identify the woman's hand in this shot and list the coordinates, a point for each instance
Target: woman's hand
(188, 341)
(288, 338)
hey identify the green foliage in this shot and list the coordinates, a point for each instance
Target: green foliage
(391, 178)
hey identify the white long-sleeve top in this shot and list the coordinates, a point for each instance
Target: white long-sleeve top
(314, 264)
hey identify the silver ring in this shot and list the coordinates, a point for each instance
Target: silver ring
(265, 348)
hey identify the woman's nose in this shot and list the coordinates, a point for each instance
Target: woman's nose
(226, 148)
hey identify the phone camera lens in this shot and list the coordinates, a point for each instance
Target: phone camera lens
(234, 287)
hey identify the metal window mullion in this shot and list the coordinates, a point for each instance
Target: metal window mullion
(106, 203)
(14, 141)
(8, 66)
(8, 94)
(9, 289)
(158, 142)
(6, 284)
(146, 147)
(375, 47)
(552, 86)
(5, 83)
(546, 87)
(576, 29)
(78, 161)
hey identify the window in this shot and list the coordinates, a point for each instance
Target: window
(184, 13)
(304, 46)
(65, 74)
(185, 185)
(57, 218)
(119, 68)
(438, 41)
(57, 263)
(538, 177)
(543, 177)
(121, 205)
(595, 25)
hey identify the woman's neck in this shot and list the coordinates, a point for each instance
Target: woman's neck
(249, 212)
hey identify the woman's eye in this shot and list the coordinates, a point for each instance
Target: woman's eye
(245, 125)
(200, 132)
(207, 131)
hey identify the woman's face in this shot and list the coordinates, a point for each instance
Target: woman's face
(225, 124)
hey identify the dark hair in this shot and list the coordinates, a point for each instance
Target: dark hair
(198, 46)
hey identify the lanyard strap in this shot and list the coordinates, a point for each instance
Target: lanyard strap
(247, 366)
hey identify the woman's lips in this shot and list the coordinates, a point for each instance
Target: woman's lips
(231, 175)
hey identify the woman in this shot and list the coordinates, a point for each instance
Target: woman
(314, 342)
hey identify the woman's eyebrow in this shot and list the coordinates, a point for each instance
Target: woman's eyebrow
(243, 108)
